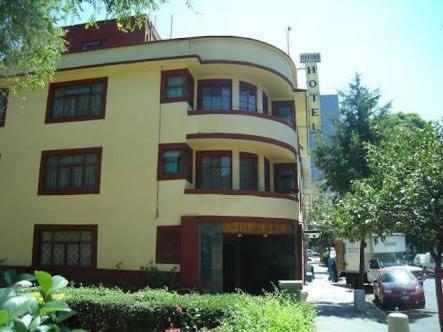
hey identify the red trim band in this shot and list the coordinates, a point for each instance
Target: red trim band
(243, 137)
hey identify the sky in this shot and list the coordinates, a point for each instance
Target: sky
(396, 45)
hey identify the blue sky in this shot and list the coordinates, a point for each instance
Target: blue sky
(397, 45)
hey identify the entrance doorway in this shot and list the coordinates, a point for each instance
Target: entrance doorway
(254, 263)
(250, 262)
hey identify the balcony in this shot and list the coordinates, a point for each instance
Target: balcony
(199, 202)
(208, 130)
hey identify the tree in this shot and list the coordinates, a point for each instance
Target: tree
(31, 36)
(342, 159)
(408, 168)
(359, 219)
(323, 218)
(342, 156)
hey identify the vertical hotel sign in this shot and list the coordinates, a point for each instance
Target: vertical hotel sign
(310, 60)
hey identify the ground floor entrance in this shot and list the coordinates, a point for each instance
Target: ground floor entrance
(255, 262)
(250, 255)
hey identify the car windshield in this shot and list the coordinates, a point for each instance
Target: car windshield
(397, 276)
(387, 262)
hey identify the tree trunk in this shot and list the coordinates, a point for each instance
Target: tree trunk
(361, 271)
(436, 255)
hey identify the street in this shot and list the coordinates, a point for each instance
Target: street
(338, 312)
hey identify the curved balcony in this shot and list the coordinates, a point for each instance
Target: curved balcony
(254, 132)
(195, 202)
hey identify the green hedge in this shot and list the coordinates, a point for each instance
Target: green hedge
(103, 309)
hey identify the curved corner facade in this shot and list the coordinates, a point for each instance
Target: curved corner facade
(185, 152)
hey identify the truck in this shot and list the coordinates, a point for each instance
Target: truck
(378, 253)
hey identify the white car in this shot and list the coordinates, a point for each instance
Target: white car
(427, 262)
(418, 272)
(312, 253)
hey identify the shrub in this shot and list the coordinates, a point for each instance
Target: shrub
(104, 309)
(23, 311)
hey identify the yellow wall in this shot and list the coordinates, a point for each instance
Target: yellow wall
(131, 202)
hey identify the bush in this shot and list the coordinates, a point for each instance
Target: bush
(22, 310)
(104, 309)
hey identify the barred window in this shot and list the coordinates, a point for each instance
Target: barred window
(168, 244)
(66, 246)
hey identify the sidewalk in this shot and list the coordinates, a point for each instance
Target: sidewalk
(335, 307)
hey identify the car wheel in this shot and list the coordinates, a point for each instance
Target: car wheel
(421, 305)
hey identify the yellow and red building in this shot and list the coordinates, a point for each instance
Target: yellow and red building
(191, 153)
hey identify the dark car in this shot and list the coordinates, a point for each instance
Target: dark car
(397, 286)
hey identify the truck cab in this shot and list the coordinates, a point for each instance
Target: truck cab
(379, 263)
(378, 253)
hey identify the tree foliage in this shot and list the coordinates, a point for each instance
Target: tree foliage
(31, 33)
(342, 156)
(407, 167)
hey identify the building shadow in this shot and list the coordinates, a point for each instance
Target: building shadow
(414, 314)
(346, 310)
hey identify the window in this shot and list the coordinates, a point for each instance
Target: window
(65, 246)
(175, 162)
(373, 264)
(168, 245)
(248, 97)
(265, 103)
(248, 171)
(93, 44)
(284, 110)
(3, 105)
(177, 85)
(214, 170)
(215, 95)
(77, 100)
(267, 175)
(285, 178)
(74, 171)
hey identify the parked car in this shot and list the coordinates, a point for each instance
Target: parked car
(426, 262)
(419, 260)
(312, 253)
(417, 271)
(396, 285)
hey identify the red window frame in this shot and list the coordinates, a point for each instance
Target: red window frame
(93, 44)
(277, 104)
(39, 229)
(251, 90)
(252, 181)
(213, 82)
(185, 166)
(217, 153)
(160, 256)
(277, 169)
(51, 97)
(69, 191)
(188, 88)
(5, 93)
(267, 175)
(265, 103)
